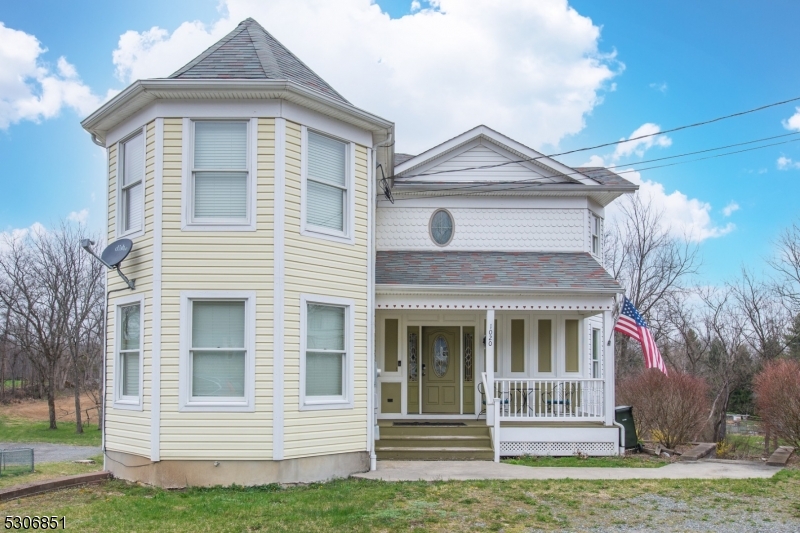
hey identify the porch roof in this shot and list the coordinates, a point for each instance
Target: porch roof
(516, 271)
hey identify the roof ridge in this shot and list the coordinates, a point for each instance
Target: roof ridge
(211, 49)
(265, 56)
(253, 22)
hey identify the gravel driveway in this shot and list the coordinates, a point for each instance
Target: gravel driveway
(54, 453)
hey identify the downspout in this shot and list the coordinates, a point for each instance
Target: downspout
(372, 372)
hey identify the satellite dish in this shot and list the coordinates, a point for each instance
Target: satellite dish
(116, 252)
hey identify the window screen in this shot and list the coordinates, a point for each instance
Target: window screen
(545, 345)
(518, 346)
(326, 186)
(571, 345)
(132, 181)
(130, 348)
(325, 350)
(218, 350)
(220, 170)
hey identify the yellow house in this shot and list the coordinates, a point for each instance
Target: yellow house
(307, 302)
(242, 354)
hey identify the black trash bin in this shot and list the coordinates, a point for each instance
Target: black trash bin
(624, 415)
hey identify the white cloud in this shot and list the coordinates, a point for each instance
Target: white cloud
(78, 216)
(415, 6)
(17, 234)
(793, 122)
(683, 217)
(729, 209)
(531, 70)
(660, 87)
(640, 146)
(32, 90)
(628, 148)
(786, 163)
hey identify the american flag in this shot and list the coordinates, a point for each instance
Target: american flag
(631, 323)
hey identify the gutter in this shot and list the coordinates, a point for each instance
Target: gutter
(387, 289)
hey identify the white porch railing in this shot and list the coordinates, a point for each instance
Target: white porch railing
(550, 399)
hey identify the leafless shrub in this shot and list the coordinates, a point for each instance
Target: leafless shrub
(671, 409)
(777, 391)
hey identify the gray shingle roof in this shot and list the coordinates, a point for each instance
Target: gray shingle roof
(603, 175)
(529, 270)
(402, 158)
(249, 52)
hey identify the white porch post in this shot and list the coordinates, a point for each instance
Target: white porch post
(490, 341)
(608, 367)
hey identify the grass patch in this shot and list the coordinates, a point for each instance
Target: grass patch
(45, 471)
(627, 461)
(21, 430)
(361, 505)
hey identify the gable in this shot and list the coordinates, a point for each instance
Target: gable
(482, 161)
(497, 158)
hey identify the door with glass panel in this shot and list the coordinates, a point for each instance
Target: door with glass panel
(441, 371)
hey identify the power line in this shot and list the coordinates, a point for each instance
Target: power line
(534, 182)
(671, 130)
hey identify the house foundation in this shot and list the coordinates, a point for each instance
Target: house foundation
(178, 474)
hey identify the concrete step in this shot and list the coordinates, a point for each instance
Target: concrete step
(434, 453)
(780, 456)
(428, 441)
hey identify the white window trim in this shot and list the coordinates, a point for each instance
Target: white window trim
(595, 222)
(128, 402)
(318, 403)
(553, 345)
(348, 235)
(245, 404)
(130, 234)
(593, 327)
(187, 189)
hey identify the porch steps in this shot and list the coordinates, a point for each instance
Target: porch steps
(434, 443)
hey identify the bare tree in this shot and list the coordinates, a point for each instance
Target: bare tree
(49, 290)
(766, 316)
(651, 265)
(787, 266)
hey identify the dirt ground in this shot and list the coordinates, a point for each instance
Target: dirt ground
(32, 409)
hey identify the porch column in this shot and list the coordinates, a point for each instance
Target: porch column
(608, 367)
(490, 341)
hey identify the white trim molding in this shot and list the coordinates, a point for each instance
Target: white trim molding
(244, 404)
(279, 277)
(346, 401)
(128, 402)
(348, 236)
(158, 230)
(188, 223)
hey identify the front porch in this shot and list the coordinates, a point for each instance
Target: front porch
(547, 372)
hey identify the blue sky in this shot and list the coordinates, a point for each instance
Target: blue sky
(553, 78)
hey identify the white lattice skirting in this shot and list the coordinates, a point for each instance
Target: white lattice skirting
(556, 448)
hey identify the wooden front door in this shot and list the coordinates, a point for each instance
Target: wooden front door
(441, 360)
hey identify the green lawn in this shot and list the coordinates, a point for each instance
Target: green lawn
(360, 505)
(20, 430)
(44, 471)
(628, 461)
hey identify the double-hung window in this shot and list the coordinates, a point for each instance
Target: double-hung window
(328, 195)
(220, 174)
(595, 235)
(219, 346)
(327, 364)
(130, 212)
(129, 363)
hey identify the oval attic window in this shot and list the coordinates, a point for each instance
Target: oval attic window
(442, 227)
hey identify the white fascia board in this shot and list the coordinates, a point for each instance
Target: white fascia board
(555, 303)
(499, 139)
(501, 290)
(141, 93)
(576, 189)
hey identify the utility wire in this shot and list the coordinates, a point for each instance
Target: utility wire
(671, 130)
(526, 184)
